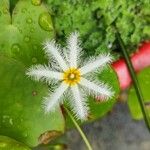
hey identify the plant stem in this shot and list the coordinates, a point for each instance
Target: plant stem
(135, 80)
(79, 129)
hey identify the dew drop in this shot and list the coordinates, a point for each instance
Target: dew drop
(23, 10)
(29, 20)
(25, 134)
(20, 30)
(11, 121)
(26, 39)
(32, 30)
(36, 2)
(45, 21)
(15, 48)
(34, 60)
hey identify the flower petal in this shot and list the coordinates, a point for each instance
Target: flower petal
(52, 49)
(79, 105)
(53, 100)
(40, 72)
(101, 89)
(94, 64)
(74, 48)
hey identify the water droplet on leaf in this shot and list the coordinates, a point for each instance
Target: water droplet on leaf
(15, 48)
(25, 134)
(45, 21)
(23, 10)
(26, 39)
(32, 30)
(34, 60)
(29, 20)
(36, 2)
(19, 29)
(11, 121)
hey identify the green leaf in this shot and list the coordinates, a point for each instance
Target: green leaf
(21, 113)
(133, 103)
(22, 36)
(7, 143)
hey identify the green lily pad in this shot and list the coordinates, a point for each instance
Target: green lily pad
(144, 81)
(21, 115)
(7, 143)
(21, 37)
(22, 34)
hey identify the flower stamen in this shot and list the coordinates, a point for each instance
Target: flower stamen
(72, 76)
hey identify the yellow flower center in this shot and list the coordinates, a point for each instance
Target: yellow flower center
(72, 76)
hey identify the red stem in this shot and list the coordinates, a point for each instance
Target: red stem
(140, 60)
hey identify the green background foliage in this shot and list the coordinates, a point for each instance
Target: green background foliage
(93, 19)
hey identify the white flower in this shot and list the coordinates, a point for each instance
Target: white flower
(73, 75)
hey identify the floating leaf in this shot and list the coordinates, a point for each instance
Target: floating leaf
(22, 34)
(7, 143)
(21, 113)
(21, 37)
(144, 81)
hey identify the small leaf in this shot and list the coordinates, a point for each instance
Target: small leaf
(133, 103)
(7, 143)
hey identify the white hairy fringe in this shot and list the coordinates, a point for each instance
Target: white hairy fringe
(53, 100)
(79, 104)
(43, 73)
(96, 88)
(95, 63)
(54, 51)
(73, 45)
